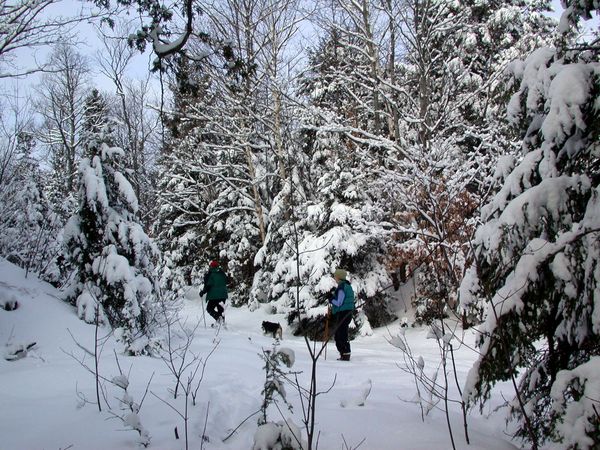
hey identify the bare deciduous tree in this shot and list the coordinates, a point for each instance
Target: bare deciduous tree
(16, 118)
(31, 24)
(139, 122)
(434, 388)
(186, 367)
(61, 103)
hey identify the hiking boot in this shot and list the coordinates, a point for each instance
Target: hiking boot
(344, 357)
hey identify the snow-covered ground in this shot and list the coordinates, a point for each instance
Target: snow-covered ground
(41, 394)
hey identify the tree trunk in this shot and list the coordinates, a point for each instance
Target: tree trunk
(257, 201)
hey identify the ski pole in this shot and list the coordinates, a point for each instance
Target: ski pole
(327, 330)
(204, 311)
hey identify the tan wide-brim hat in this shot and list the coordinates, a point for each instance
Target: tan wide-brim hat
(340, 273)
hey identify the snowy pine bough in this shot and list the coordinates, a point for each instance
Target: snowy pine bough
(538, 251)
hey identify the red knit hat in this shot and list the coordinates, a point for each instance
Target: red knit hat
(214, 263)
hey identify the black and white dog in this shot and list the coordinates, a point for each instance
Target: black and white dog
(272, 328)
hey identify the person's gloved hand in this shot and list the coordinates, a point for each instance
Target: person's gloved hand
(331, 294)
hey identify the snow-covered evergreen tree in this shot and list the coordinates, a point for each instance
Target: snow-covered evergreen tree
(208, 210)
(275, 377)
(222, 174)
(112, 256)
(326, 215)
(180, 195)
(538, 251)
(28, 226)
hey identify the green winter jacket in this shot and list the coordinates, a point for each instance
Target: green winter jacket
(215, 284)
(347, 298)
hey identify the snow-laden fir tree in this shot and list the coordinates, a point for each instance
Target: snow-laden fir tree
(327, 213)
(208, 210)
(538, 252)
(275, 378)
(284, 434)
(204, 217)
(222, 174)
(112, 257)
(178, 225)
(326, 219)
(181, 203)
(29, 229)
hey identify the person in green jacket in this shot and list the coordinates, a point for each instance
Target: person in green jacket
(215, 288)
(342, 304)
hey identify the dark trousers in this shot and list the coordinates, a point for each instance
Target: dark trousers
(342, 322)
(215, 309)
